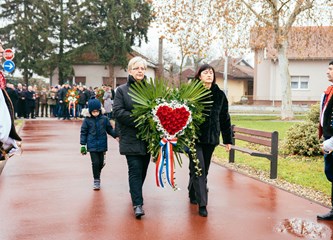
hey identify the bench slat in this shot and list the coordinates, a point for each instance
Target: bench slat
(253, 132)
(251, 139)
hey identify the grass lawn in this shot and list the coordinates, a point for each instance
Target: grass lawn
(304, 171)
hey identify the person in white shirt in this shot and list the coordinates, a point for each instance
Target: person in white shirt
(8, 134)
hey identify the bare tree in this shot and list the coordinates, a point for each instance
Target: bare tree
(187, 24)
(277, 17)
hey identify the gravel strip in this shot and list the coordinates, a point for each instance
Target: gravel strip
(307, 193)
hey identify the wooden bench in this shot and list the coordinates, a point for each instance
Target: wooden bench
(268, 139)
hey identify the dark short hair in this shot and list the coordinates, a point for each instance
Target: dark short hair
(330, 63)
(203, 68)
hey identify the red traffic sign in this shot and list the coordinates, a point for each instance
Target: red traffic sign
(8, 54)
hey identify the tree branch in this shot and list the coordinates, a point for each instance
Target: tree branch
(298, 9)
(256, 14)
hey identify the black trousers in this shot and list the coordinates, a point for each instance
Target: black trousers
(137, 171)
(65, 111)
(97, 161)
(328, 159)
(197, 186)
(21, 108)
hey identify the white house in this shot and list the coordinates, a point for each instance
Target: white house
(89, 71)
(309, 53)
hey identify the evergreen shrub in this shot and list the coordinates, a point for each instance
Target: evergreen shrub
(302, 138)
(313, 114)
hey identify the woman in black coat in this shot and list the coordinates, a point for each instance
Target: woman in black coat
(130, 145)
(217, 121)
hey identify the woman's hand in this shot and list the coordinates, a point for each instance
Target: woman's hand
(228, 147)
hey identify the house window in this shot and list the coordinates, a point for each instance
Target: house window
(80, 80)
(299, 82)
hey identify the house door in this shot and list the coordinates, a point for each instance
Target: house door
(80, 80)
(106, 81)
(250, 91)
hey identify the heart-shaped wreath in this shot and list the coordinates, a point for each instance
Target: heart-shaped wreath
(168, 120)
(172, 118)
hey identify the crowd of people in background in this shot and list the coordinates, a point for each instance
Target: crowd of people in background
(31, 102)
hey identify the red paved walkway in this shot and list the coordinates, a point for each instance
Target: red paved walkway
(46, 193)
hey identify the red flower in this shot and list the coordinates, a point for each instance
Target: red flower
(172, 120)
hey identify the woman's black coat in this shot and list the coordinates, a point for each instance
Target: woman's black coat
(217, 121)
(129, 144)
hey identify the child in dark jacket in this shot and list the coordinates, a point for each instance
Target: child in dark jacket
(93, 138)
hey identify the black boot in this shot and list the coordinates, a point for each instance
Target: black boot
(138, 211)
(329, 215)
(203, 211)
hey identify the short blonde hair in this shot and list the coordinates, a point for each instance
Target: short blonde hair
(135, 60)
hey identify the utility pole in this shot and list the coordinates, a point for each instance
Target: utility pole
(225, 73)
(160, 58)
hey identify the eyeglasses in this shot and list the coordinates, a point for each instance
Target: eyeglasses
(139, 68)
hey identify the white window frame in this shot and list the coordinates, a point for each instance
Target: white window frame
(299, 80)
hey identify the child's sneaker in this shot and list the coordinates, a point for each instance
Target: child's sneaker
(97, 184)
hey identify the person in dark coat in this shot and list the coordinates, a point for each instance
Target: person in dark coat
(83, 99)
(130, 145)
(93, 138)
(217, 121)
(13, 95)
(62, 100)
(21, 101)
(30, 104)
(326, 131)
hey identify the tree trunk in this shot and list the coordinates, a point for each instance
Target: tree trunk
(180, 70)
(286, 102)
(111, 76)
(25, 77)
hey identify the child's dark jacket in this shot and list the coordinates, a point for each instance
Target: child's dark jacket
(94, 132)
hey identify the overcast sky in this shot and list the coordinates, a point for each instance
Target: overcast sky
(150, 49)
